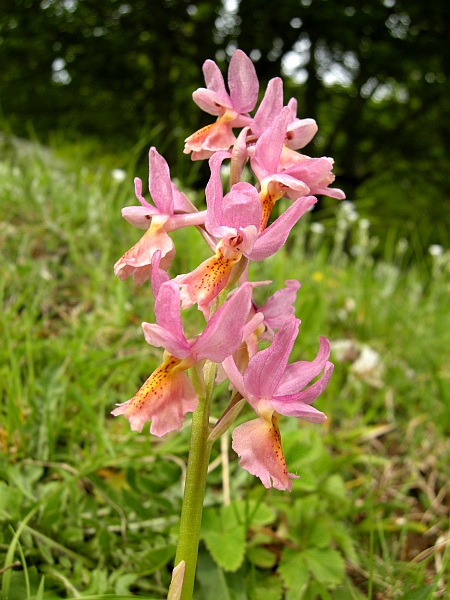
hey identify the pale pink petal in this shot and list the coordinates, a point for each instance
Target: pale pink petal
(300, 132)
(258, 444)
(214, 79)
(213, 137)
(237, 380)
(139, 216)
(266, 368)
(281, 305)
(274, 237)
(164, 399)
(155, 335)
(138, 192)
(159, 182)
(214, 192)
(243, 82)
(211, 102)
(158, 275)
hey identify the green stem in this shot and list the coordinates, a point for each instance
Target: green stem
(194, 491)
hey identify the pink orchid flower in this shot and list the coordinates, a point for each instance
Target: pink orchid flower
(172, 210)
(234, 221)
(273, 387)
(275, 310)
(307, 176)
(167, 395)
(299, 132)
(232, 109)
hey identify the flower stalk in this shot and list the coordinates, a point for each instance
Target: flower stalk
(194, 491)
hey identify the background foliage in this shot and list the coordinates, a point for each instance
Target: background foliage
(374, 73)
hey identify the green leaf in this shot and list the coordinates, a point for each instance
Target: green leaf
(227, 547)
(422, 593)
(224, 537)
(327, 566)
(261, 557)
(269, 588)
(212, 579)
(294, 573)
(257, 513)
(155, 559)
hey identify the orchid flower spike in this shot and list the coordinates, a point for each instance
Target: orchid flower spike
(273, 387)
(234, 221)
(167, 395)
(231, 109)
(171, 210)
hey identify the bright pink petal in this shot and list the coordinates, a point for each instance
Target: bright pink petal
(281, 305)
(268, 147)
(243, 82)
(138, 192)
(266, 368)
(300, 410)
(299, 374)
(309, 395)
(223, 333)
(258, 444)
(270, 107)
(274, 237)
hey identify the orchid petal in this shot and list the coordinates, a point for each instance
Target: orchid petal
(266, 368)
(299, 374)
(270, 107)
(268, 147)
(274, 237)
(159, 183)
(165, 398)
(155, 335)
(243, 82)
(306, 397)
(158, 276)
(258, 444)
(139, 216)
(280, 306)
(214, 192)
(223, 333)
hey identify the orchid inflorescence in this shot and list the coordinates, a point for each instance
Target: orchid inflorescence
(236, 228)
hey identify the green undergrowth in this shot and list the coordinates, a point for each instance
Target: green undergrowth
(89, 509)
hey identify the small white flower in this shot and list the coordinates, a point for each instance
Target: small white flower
(118, 175)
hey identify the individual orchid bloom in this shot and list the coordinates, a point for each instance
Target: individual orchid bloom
(275, 310)
(167, 395)
(299, 132)
(308, 176)
(273, 387)
(234, 220)
(171, 210)
(231, 108)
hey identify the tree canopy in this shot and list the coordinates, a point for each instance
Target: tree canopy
(375, 74)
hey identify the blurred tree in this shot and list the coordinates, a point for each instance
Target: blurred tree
(374, 73)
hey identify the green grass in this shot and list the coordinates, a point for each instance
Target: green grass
(90, 509)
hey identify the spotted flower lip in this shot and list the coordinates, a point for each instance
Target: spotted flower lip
(168, 395)
(272, 387)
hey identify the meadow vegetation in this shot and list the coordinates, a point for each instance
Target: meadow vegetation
(89, 509)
